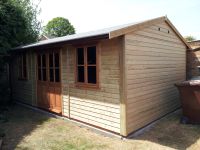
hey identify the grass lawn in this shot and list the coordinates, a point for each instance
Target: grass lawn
(31, 130)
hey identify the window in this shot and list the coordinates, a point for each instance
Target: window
(42, 67)
(54, 70)
(87, 65)
(49, 67)
(22, 66)
(198, 67)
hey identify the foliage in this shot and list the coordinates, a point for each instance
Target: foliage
(18, 23)
(58, 27)
(18, 26)
(190, 38)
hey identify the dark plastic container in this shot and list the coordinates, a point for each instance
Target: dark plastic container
(190, 100)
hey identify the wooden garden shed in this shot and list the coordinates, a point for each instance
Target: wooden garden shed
(118, 79)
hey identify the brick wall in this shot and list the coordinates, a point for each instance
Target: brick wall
(193, 64)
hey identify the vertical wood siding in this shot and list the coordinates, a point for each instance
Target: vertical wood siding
(99, 107)
(155, 60)
(24, 90)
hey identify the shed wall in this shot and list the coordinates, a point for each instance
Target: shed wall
(99, 107)
(155, 60)
(24, 90)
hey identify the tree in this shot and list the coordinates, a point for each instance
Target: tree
(190, 38)
(18, 26)
(18, 23)
(58, 27)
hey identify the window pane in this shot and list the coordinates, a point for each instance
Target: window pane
(24, 66)
(80, 73)
(39, 61)
(24, 72)
(44, 75)
(43, 60)
(24, 59)
(20, 67)
(51, 60)
(80, 55)
(92, 74)
(91, 55)
(39, 74)
(51, 75)
(56, 56)
(57, 75)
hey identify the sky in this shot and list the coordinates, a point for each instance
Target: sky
(88, 15)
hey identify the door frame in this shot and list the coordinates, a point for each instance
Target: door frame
(46, 51)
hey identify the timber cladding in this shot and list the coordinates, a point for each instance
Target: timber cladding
(155, 60)
(24, 90)
(100, 106)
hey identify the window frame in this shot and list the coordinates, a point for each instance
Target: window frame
(85, 84)
(47, 54)
(22, 67)
(42, 67)
(54, 51)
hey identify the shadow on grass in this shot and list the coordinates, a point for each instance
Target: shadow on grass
(21, 122)
(171, 133)
(29, 129)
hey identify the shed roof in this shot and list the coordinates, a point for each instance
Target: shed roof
(195, 45)
(196, 49)
(105, 33)
(193, 41)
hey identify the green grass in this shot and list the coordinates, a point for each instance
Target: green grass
(31, 130)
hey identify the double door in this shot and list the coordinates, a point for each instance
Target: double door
(48, 81)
